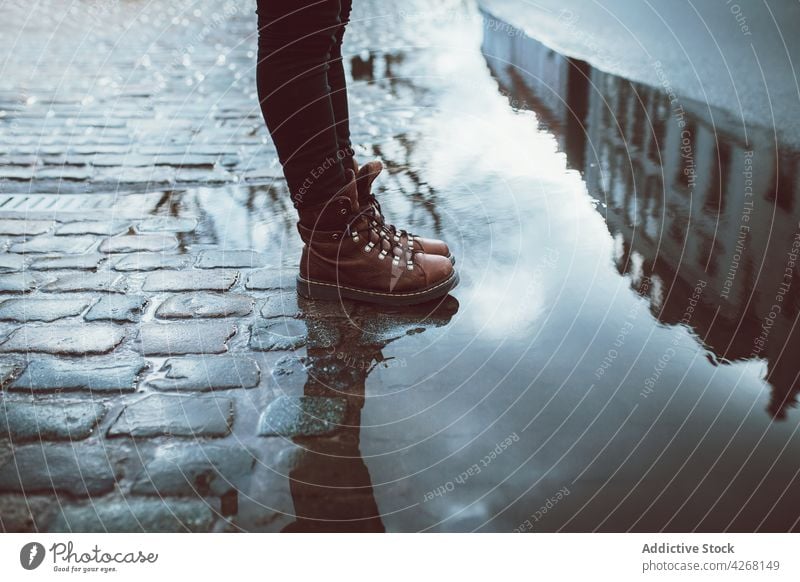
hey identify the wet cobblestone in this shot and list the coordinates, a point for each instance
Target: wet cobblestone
(194, 469)
(218, 280)
(136, 515)
(193, 305)
(42, 309)
(114, 376)
(303, 416)
(23, 421)
(202, 374)
(118, 308)
(78, 469)
(174, 415)
(62, 339)
(184, 338)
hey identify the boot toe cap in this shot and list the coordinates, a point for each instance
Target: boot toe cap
(433, 246)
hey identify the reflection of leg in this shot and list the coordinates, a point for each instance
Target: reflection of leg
(331, 486)
(332, 490)
(294, 49)
(338, 84)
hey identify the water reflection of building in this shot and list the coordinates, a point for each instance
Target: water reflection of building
(689, 193)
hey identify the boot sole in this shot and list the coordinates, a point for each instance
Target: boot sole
(332, 292)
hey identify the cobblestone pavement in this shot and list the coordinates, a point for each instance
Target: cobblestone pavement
(151, 341)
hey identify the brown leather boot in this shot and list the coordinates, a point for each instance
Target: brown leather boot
(347, 256)
(365, 176)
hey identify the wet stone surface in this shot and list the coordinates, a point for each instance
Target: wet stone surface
(202, 374)
(106, 375)
(231, 258)
(137, 243)
(151, 262)
(281, 304)
(24, 227)
(99, 227)
(184, 338)
(23, 421)
(193, 469)
(79, 262)
(90, 338)
(119, 308)
(55, 244)
(270, 279)
(30, 309)
(193, 305)
(278, 335)
(19, 282)
(175, 415)
(303, 416)
(166, 224)
(10, 263)
(192, 280)
(78, 469)
(136, 515)
(106, 282)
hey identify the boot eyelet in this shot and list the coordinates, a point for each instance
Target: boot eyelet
(335, 236)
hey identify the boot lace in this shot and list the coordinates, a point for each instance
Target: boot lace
(374, 234)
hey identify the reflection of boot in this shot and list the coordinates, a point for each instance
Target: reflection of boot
(330, 483)
(369, 204)
(348, 255)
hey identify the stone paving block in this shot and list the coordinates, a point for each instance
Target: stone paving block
(213, 259)
(88, 338)
(192, 305)
(75, 262)
(132, 515)
(10, 262)
(277, 335)
(64, 173)
(269, 279)
(175, 415)
(23, 421)
(67, 245)
(20, 282)
(194, 470)
(137, 243)
(302, 416)
(23, 513)
(103, 227)
(78, 469)
(207, 373)
(95, 375)
(282, 304)
(106, 281)
(18, 174)
(21, 227)
(119, 308)
(152, 262)
(184, 338)
(35, 309)
(167, 224)
(191, 280)
(123, 176)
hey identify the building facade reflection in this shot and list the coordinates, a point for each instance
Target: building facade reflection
(692, 196)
